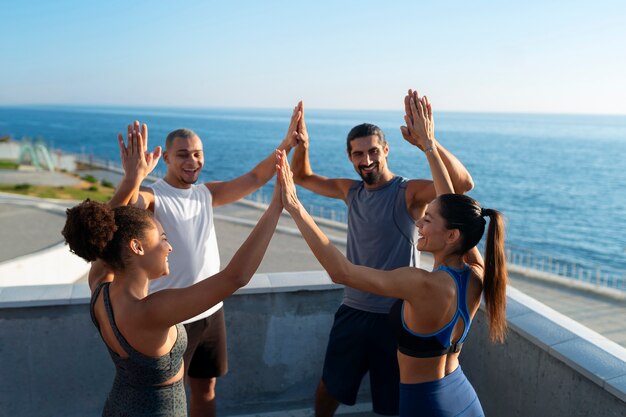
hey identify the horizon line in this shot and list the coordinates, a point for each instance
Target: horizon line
(212, 107)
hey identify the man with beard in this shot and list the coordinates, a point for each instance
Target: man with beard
(382, 210)
(185, 210)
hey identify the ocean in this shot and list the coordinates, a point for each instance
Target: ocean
(560, 180)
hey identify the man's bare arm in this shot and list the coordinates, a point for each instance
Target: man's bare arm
(460, 176)
(303, 174)
(225, 192)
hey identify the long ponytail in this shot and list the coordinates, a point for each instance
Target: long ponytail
(464, 213)
(496, 278)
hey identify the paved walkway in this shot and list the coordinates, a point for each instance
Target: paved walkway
(27, 228)
(603, 314)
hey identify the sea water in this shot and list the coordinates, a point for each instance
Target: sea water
(560, 180)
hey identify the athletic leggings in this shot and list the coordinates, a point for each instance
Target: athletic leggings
(450, 396)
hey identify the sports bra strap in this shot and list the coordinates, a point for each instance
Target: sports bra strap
(118, 335)
(92, 304)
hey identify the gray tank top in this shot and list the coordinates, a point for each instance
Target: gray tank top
(381, 235)
(138, 369)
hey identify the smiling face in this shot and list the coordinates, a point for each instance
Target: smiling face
(369, 158)
(155, 248)
(184, 159)
(433, 234)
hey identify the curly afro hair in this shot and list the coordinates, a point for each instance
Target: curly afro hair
(96, 231)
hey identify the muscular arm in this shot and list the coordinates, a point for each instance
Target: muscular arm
(303, 174)
(225, 192)
(422, 192)
(397, 283)
(459, 175)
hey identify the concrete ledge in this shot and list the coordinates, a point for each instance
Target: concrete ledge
(278, 327)
(549, 365)
(593, 355)
(78, 293)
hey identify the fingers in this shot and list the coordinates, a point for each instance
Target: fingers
(420, 108)
(136, 144)
(409, 124)
(414, 110)
(407, 105)
(429, 108)
(144, 133)
(295, 118)
(130, 140)
(120, 142)
(139, 147)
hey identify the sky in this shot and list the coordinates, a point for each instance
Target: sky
(485, 56)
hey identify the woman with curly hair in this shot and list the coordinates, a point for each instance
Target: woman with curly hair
(434, 310)
(141, 331)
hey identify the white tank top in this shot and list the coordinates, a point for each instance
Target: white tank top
(186, 215)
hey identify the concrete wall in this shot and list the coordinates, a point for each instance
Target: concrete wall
(549, 365)
(54, 362)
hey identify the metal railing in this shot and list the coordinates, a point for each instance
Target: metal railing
(603, 277)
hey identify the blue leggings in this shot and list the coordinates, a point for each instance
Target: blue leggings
(450, 396)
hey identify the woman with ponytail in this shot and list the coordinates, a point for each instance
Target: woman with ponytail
(128, 248)
(434, 310)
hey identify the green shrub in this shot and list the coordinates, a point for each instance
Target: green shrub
(90, 179)
(24, 186)
(93, 188)
(107, 183)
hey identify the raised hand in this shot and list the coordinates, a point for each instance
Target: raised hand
(420, 128)
(136, 159)
(303, 134)
(287, 186)
(291, 138)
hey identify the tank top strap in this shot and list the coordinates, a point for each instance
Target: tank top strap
(118, 335)
(401, 216)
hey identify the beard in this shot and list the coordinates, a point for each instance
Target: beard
(370, 178)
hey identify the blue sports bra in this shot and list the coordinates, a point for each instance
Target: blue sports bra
(438, 343)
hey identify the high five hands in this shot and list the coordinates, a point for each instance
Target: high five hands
(285, 182)
(135, 157)
(420, 125)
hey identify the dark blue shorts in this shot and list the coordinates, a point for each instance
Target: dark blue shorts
(450, 396)
(360, 342)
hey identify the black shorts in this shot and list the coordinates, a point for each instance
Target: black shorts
(360, 342)
(206, 355)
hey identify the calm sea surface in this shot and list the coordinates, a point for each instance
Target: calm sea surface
(559, 179)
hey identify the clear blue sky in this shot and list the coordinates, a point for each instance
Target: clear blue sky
(525, 56)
